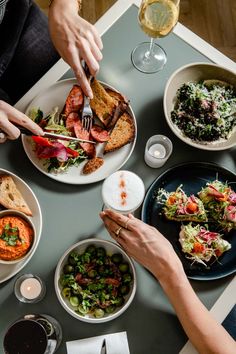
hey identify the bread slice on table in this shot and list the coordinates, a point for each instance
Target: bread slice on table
(11, 197)
(102, 103)
(123, 133)
(92, 165)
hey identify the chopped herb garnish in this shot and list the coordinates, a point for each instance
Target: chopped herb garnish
(10, 235)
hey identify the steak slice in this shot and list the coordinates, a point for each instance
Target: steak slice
(74, 100)
(81, 133)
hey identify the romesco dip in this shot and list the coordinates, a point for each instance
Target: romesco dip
(16, 237)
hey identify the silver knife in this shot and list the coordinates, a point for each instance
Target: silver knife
(51, 135)
(68, 138)
(103, 349)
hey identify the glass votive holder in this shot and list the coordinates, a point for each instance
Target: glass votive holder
(123, 192)
(29, 288)
(33, 334)
(157, 151)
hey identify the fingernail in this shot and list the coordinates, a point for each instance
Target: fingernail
(90, 94)
(102, 214)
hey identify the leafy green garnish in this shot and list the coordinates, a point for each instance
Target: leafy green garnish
(36, 115)
(10, 235)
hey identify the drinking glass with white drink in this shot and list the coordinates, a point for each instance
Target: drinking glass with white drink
(157, 19)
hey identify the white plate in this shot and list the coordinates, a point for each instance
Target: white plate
(9, 270)
(55, 96)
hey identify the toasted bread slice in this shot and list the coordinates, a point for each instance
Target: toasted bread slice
(191, 218)
(92, 165)
(180, 207)
(121, 106)
(122, 134)
(11, 197)
(102, 103)
(117, 96)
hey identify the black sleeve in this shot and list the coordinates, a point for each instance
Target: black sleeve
(4, 96)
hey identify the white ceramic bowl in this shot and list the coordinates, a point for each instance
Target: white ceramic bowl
(110, 248)
(196, 72)
(10, 212)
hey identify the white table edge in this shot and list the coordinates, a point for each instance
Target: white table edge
(102, 25)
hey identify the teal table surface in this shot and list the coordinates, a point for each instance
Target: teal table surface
(71, 213)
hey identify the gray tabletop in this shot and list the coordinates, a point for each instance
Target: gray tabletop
(150, 321)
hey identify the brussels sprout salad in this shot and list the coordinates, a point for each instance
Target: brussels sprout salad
(205, 111)
(94, 282)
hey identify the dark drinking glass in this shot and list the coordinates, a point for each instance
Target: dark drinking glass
(33, 334)
(26, 337)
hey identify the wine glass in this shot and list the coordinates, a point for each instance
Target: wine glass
(157, 18)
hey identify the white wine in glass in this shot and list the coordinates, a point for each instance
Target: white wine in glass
(157, 19)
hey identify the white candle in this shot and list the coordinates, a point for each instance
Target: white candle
(158, 151)
(30, 288)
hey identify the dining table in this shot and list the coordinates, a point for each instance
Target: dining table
(70, 212)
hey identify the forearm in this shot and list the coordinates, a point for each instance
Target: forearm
(77, 4)
(205, 333)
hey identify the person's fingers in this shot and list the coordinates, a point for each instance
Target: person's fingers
(7, 127)
(20, 118)
(125, 221)
(95, 51)
(3, 137)
(89, 44)
(76, 66)
(87, 55)
(90, 31)
(111, 225)
(115, 230)
(97, 38)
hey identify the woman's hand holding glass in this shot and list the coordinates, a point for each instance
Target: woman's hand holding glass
(147, 246)
(144, 243)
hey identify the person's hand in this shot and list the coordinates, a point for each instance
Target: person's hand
(75, 39)
(144, 243)
(9, 116)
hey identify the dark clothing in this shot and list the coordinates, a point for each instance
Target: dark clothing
(3, 4)
(26, 51)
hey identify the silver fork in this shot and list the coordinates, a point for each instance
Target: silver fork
(87, 114)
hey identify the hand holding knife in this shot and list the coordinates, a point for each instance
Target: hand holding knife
(53, 136)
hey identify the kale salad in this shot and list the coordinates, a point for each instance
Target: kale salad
(205, 111)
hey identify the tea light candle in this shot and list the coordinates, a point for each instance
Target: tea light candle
(29, 288)
(158, 151)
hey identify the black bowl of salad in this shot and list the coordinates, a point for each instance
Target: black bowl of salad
(200, 106)
(95, 280)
